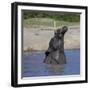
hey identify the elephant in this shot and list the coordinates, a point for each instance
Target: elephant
(55, 52)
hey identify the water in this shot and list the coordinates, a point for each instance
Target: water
(33, 65)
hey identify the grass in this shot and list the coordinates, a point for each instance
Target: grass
(46, 22)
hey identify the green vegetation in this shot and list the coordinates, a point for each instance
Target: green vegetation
(43, 19)
(61, 16)
(46, 23)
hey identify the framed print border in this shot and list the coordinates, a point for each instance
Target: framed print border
(14, 43)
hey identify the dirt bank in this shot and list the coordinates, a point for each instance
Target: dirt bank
(37, 39)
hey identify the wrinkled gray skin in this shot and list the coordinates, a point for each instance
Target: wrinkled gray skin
(55, 53)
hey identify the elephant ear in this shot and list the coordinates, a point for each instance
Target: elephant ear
(58, 31)
(55, 32)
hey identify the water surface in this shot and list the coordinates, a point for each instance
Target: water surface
(32, 64)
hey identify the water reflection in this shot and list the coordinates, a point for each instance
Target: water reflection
(55, 69)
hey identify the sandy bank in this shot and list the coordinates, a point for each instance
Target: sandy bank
(38, 39)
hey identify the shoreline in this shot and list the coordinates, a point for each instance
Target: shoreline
(38, 51)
